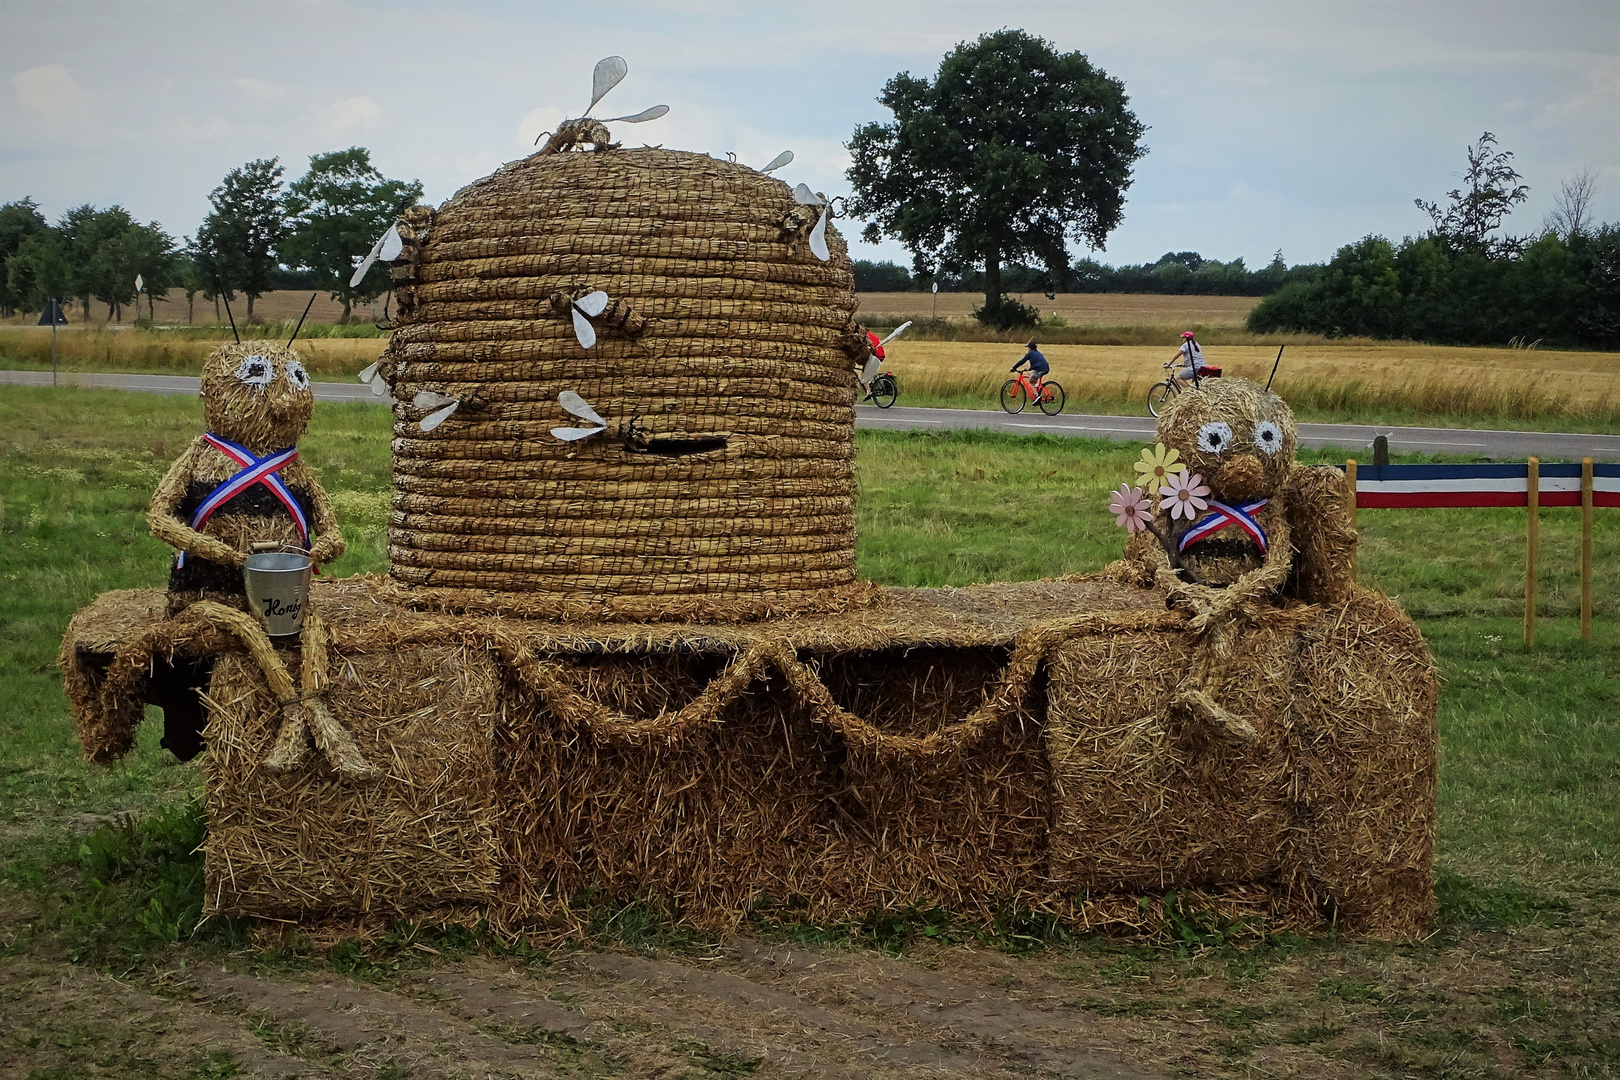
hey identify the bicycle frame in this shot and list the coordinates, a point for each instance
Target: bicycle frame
(1029, 387)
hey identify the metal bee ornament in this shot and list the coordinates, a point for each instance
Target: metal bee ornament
(584, 129)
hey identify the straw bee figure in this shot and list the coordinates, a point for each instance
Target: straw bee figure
(1270, 529)
(239, 487)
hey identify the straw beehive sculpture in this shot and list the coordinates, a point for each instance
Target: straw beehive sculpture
(722, 484)
(625, 386)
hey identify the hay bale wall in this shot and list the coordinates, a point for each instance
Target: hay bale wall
(302, 843)
(724, 486)
(945, 748)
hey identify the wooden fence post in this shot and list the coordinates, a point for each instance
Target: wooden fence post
(1586, 549)
(1350, 483)
(1533, 521)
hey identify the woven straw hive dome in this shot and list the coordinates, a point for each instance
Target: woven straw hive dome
(723, 483)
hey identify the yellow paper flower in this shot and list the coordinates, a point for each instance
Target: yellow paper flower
(1158, 465)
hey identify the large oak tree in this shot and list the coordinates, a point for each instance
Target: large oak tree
(1011, 151)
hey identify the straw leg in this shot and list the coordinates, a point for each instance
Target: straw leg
(291, 741)
(1532, 529)
(1586, 549)
(331, 737)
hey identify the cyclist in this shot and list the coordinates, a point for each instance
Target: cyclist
(1191, 359)
(1038, 366)
(869, 369)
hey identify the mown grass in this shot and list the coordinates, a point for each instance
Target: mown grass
(96, 862)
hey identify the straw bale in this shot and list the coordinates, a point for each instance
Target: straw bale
(305, 842)
(721, 366)
(1332, 805)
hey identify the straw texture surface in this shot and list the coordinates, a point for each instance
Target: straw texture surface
(722, 486)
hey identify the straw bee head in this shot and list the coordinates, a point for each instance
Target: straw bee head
(1237, 435)
(256, 393)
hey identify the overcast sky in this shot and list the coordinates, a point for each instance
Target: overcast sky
(1295, 125)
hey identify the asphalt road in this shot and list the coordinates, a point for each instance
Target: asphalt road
(1351, 438)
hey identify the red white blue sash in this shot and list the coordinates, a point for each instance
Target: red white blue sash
(1220, 516)
(255, 470)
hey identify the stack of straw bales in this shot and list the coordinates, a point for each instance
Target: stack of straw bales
(723, 487)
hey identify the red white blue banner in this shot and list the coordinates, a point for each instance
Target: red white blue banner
(1481, 485)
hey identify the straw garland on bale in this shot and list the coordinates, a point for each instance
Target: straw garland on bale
(965, 748)
(723, 487)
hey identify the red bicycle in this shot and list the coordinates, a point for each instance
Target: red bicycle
(1018, 391)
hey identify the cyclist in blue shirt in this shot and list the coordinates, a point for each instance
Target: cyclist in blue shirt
(1038, 366)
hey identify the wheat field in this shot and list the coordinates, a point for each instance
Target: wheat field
(1336, 377)
(1077, 309)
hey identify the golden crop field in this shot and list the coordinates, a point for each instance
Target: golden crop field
(283, 304)
(1343, 376)
(1077, 309)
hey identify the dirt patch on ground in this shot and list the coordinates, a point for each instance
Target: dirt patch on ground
(1534, 998)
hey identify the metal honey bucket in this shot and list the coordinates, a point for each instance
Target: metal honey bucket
(278, 590)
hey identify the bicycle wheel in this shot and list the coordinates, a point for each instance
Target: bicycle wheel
(884, 391)
(1013, 397)
(1159, 397)
(1052, 398)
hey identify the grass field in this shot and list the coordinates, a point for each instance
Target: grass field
(1519, 976)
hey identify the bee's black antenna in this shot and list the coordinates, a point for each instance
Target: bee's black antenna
(220, 287)
(301, 318)
(1280, 348)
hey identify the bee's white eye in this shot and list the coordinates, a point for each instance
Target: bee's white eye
(297, 375)
(255, 371)
(1268, 436)
(1215, 437)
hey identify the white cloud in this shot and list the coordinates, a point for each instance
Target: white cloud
(350, 114)
(49, 91)
(259, 90)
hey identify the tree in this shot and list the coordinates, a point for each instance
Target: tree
(237, 242)
(1493, 192)
(73, 228)
(39, 269)
(1013, 150)
(189, 277)
(18, 221)
(1571, 214)
(336, 211)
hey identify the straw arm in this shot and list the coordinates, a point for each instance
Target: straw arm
(165, 522)
(323, 524)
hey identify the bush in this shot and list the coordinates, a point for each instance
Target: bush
(1007, 314)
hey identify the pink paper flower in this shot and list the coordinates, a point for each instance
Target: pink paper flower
(1129, 505)
(1182, 495)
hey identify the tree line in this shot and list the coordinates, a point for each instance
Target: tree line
(258, 230)
(1175, 273)
(1465, 281)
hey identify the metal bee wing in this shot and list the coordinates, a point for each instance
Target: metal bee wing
(784, 158)
(641, 117)
(610, 72)
(871, 369)
(370, 376)
(577, 405)
(429, 400)
(592, 304)
(896, 333)
(818, 235)
(805, 197)
(387, 248)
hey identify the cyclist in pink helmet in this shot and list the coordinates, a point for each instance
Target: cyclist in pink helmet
(1191, 358)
